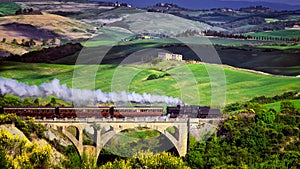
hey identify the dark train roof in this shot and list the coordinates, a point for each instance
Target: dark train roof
(84, 107)
(28, 107)
(160, 107)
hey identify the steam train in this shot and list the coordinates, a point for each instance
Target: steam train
(117, 112)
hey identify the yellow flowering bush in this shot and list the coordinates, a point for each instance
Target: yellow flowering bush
(20, 153)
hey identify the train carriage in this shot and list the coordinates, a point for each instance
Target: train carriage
(138, 111)
(67, 112)
(38, 112)
(72, 112)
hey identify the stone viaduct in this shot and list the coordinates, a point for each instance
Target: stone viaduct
(105, 129)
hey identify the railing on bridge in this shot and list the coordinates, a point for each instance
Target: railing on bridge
(126, 119)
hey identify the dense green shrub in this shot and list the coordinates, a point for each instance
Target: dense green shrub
(155, 76)
(27, 126)
(265, 139)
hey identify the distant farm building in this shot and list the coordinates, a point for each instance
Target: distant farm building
(169, 56)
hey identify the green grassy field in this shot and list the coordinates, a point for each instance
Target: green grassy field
(269, 20)
(7, 8)
(240, 85)
(108, 37)
(112, 37)
(278, 34)
(276, 105)
(281, 47)
(237, 42)
(205, 40)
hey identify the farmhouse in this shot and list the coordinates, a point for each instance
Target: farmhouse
(169, 56)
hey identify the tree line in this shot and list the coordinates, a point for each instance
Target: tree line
(31, 42)
(249, 37)
(27, 11)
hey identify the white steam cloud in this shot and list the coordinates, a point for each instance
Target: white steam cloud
(79, 96)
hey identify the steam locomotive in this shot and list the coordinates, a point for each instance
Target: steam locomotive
(117, 112)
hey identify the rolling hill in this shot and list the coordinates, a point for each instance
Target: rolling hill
(264, 58)
(23, 26)
(159, 23)
(40, 28)
(240, 84)
(132, 19)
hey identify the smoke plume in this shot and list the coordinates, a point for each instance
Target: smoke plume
(79, 96)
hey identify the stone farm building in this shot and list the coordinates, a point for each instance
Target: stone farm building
(169, 56)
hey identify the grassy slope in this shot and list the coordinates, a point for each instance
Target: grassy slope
(159, 23)
(7, 8)
(237, 42)
(212, 40)
(14, 49)
(269, 20)
(276, 105)
(108, 37)
(58, 24)
(240, 85)
(256, 58)
(280, 33)
(281, 47)
(65, 28)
